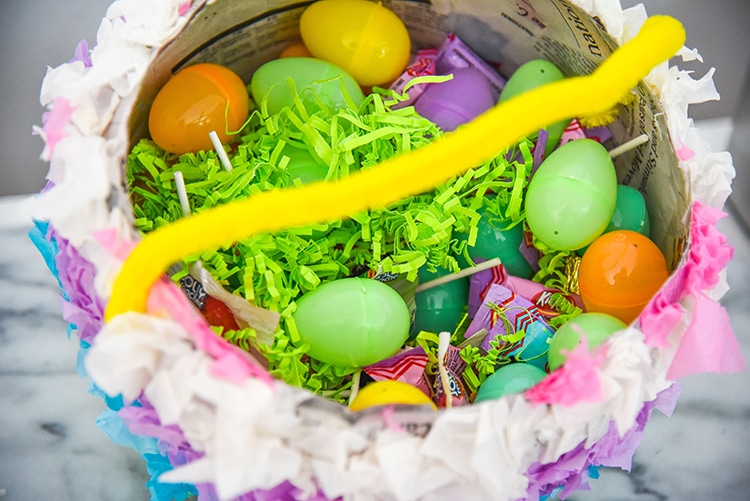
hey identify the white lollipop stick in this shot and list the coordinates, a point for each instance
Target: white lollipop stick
(486, 265)
(223, 158)
(630, 145)
(444, 340)
(355, 386)
(179, 182)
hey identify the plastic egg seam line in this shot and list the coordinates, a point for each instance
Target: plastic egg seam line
(418, 171)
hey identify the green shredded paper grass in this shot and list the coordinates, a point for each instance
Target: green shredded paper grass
(294, 147)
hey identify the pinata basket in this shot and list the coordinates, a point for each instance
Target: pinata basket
(242, 410)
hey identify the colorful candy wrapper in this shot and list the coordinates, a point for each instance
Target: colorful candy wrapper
(455, 54)
(505, 313)
(454, 366)
(194, 290)
(406, 367)
(222, 308)
(422, 65)
(452, 55)
(575, 130)
(215, 312)
(541, 296)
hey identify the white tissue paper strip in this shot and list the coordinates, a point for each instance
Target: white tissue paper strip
(257, 436)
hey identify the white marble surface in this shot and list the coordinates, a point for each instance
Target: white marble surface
(50, 447)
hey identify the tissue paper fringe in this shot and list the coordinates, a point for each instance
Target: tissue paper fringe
(240, 435)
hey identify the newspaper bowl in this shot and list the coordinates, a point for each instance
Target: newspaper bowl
(211, 422)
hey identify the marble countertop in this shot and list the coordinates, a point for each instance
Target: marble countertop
(50, 447)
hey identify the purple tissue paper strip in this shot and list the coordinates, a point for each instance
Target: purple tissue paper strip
(612, 450)
(82, 54)
(83, 307)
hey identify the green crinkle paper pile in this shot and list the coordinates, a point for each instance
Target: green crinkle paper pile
(273, 270)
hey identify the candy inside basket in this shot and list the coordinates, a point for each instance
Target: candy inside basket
(523, 315)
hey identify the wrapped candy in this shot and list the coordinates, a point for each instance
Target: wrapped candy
(516, 322)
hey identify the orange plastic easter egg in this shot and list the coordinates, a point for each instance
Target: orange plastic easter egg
(620, 273)
(193, 103)
(296, 50)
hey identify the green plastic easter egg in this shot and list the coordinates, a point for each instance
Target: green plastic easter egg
(531, 75)
(312, 78)
(440, 308)
(495, 240)
(571, 198)
(596, 326)
(352, 322)
(303, 166)
(630, 213)
(509, 379)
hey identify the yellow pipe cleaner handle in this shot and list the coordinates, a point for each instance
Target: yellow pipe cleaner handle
(397, 178)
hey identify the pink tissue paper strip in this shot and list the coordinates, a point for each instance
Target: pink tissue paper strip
(166, 297)
(390, 422)
(577, 380)
(658, 319)
(708, 345)
(685, 153)
(230, 362)
(184, 7)
(55, 121)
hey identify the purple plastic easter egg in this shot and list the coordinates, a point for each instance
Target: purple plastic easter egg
(457, 101)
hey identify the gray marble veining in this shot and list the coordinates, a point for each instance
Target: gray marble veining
(50, 447)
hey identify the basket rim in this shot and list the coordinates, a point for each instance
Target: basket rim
(99, 243)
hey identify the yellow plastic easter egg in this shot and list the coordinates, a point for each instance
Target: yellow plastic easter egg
(389, 393)
(195, 101)
(364, 38)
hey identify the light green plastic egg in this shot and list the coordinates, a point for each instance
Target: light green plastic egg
(303, 165)
(597, 327)
(352, 322)
(312, 78)
(531, 75)
(571, 198)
